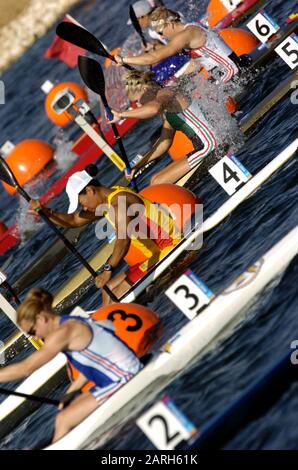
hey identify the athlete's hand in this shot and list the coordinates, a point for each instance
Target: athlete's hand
(129, 175)
(34, 206)
(119, 60)
(117, 117)
(102, 279)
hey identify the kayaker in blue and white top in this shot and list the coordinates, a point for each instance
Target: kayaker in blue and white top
(91, 346)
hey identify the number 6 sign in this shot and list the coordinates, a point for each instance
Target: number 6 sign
(262, 26)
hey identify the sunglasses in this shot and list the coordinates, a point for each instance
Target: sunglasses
(32, 331)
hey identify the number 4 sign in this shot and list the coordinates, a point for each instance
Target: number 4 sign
(230, 174)
(230, 5)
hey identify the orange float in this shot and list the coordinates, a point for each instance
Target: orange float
(239, 40)
(115, 51)
(216, 12)
(170, 195)
(137, 326)
(3, 228)
(175, 199)
(63, 119)
(27, 159)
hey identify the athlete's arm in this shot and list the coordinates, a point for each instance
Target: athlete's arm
(78, 219)
(179, 42)
(161, 146)
(121, 221)
(146, 111)
(56, 343)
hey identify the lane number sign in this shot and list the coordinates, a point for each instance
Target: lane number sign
(3, 277)
(230, 5)
(166, 426)
(263, 26)
(230, 174)
(189, 293)
(288, 51)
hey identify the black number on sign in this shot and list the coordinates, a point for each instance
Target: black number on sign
(124, 316)
(263, 29)
(229, 174)
(166, 426)
(289, 53)
(188, 296)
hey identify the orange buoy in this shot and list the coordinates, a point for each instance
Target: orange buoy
(137, 326)
(63, 119)
(181, 202)
(115, 51)
(3, 228)
(239, 40)
(27, 159)
(181, 146)
(170, 195)
(216, 11)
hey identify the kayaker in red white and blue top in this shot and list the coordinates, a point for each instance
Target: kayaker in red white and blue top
(204, 46)
(91, 346)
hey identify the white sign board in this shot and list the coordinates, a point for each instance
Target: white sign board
(3, 277)
(190, 294)
(263, 26)
(288, 51)
(230, 174)
(230, 5)
(166, 426)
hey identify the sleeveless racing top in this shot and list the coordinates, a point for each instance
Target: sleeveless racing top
(214, 53)
(154, 232)
(106, 359)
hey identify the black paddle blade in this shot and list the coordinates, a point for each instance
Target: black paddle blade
(6, 174)
(92, 75)
(80, 37)
(135, 22)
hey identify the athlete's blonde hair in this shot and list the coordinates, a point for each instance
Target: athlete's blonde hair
(162, 15)
(37, 300)
(137, 79)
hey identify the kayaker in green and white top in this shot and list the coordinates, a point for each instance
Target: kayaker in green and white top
(178, 113)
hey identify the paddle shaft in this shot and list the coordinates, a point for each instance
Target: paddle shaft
(66, 242)
(45, 400)
(117, 136)
(9, 289)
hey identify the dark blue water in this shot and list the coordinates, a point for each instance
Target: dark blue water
(251, 230)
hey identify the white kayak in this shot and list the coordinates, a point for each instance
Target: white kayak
(179, 352)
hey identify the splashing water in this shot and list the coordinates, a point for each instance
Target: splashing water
(64, 156)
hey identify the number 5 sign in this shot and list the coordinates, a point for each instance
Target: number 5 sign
(288, 51)
(230, 5)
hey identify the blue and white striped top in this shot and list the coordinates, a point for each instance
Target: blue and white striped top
(107, 359)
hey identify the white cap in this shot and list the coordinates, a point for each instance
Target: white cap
(141, 8)
(75, 184)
